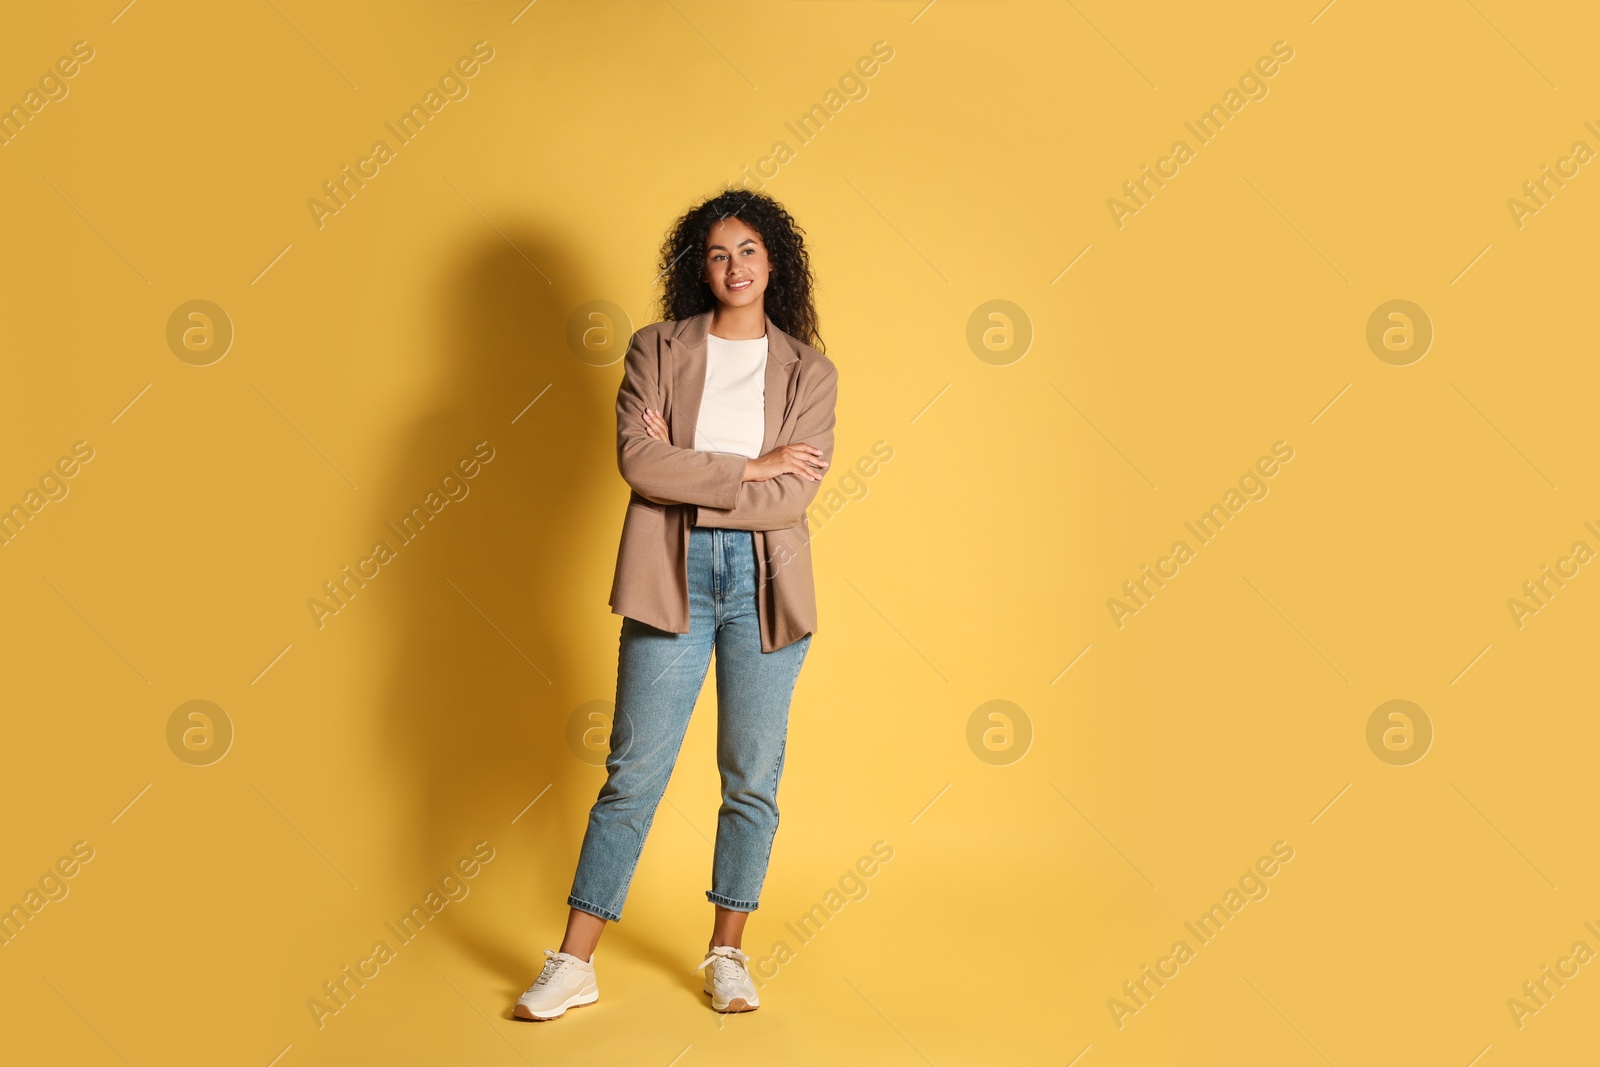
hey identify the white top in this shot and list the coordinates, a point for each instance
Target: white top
(733, 405)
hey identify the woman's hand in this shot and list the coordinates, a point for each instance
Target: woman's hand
(802, 459)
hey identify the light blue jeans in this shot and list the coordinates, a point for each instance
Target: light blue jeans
(659, 678)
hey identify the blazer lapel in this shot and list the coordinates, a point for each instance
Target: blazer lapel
(779, 390)
(688, 345)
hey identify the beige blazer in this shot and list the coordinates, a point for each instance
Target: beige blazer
(674, 487)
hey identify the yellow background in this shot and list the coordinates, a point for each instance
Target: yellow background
(1229, 714)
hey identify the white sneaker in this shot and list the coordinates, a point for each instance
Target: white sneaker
(728, 981)
(566, 982)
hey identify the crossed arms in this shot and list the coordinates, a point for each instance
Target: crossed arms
(713, 482)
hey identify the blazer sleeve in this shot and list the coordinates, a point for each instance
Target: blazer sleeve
(656, 470)
(778, 503)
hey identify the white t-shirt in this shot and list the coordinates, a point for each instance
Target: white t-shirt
(733, 405)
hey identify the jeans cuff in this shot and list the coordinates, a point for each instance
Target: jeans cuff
(730, 903)
(593, 909)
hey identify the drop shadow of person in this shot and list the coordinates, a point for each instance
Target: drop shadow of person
(502, 630)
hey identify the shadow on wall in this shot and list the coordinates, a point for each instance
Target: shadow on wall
(503, 628)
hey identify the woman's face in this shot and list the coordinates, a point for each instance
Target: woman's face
(736, 264)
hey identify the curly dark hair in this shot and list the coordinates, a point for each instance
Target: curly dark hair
(788, 298)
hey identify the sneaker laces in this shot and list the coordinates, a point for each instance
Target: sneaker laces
(724, 968)
(552, 964)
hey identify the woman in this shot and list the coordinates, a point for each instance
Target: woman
(724, 430)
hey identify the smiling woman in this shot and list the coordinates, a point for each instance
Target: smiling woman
(725, 422)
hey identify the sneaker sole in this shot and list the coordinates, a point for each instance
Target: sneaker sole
(523, 1013)
(735, 1005)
